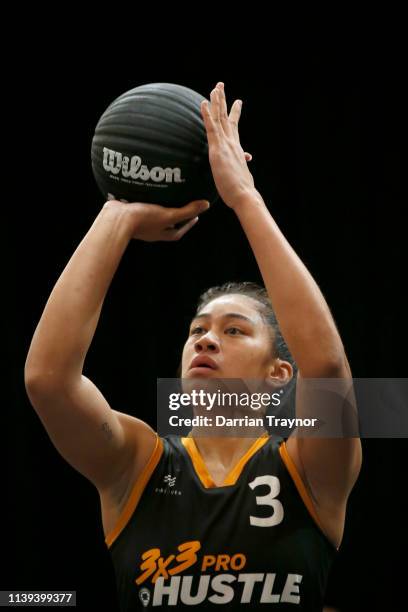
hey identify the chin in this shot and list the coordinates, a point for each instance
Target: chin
(197, 383)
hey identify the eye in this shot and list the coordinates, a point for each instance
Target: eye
(236, 328)
(194, 330)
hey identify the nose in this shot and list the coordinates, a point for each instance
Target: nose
(206, 343)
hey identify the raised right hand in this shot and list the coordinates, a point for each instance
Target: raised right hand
(152, 222)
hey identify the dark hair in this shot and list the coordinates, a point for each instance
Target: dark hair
(279, 347)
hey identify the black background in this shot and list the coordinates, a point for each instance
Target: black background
(328, 138)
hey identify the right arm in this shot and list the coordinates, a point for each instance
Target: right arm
(99, 442)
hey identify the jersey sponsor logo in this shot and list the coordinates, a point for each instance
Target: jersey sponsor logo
(208, 584)
(132, 169)
(170, 481)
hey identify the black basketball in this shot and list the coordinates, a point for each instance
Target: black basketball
(150, 145)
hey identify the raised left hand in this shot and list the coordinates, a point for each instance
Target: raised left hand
(228, 160)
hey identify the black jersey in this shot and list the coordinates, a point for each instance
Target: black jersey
(254, 542)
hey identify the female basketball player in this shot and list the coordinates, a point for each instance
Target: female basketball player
(203, 521)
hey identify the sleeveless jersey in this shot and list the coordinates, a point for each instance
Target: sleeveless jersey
(254, 543)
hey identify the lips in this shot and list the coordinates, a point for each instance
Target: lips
(204, 362)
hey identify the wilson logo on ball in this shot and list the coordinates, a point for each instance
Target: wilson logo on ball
(150, 145)
(115, 162)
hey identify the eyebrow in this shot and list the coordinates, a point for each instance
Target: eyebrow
(228, 315)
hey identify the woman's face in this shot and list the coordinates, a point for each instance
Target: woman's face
(232, 335)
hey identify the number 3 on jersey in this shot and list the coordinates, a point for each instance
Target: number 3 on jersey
(267, 500)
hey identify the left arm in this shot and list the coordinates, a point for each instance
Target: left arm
(331, 466)
(303, 315)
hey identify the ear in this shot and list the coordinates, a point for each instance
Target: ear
(279, 374)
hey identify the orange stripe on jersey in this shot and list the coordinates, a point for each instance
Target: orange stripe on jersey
(297, 479)
(198, 463)
(136, 493)
(202, 471)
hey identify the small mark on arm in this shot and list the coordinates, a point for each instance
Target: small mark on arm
(107, 430)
